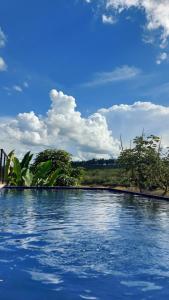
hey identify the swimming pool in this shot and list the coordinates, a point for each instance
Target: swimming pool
(82, 245)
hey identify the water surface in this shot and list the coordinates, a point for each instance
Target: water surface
(83, 245)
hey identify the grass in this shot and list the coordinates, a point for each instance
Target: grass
(101, 177)
(111, 177)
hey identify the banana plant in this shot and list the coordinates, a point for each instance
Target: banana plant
(25, 163)
(52, 178)
(45, 176)
(18, 173)
(42, 173)
(8, 167)
(28, 178)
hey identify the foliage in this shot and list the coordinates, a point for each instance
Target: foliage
(145, 165)
(17, 173)
(44, 173)
(59, 159)
(163, 173)
(61, 164)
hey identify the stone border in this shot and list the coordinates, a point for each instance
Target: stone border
(88, 189)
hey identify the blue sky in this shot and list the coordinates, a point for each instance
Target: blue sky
(101, 55)
(62, 44)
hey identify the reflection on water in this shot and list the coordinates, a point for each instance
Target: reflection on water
(83, 245)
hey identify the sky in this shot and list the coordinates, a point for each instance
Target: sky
(78, 74)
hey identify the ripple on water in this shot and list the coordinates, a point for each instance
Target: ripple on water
(143, 285)
(83, 245)
(45, 278)
(88, 297)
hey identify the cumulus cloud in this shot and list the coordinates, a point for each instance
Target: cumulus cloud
(119, 74)
(96, 136)
(130, 120)
(61, 127)
(3, 65)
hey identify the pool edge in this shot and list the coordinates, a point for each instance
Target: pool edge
(85, 188)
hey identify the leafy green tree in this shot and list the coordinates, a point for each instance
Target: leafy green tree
(59, 159)
(142, 162)
(163, 173)
(61, 164)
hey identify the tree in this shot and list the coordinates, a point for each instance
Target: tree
(141, 163)
(163, 173)
(61, 164)
(59, 158)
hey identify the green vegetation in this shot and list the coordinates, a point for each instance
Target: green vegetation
(143, 167)
(101, 176)
(50, 168)
(17, 172)
(59, 159)
(146, 165)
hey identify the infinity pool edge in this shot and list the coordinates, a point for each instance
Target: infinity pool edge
(86, 188)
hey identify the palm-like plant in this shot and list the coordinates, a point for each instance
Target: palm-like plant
(18, 173)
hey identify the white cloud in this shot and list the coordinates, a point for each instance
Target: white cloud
(130, 120)
(162, 57)
(156, 12)
(61, 127)
(3, 39)
(96, 136)
(3, 65)
(108, 19)
(118, 74)
(17, 88)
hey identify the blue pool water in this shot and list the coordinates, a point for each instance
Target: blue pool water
(82, 245)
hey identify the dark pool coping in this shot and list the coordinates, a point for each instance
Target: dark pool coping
(87, 189)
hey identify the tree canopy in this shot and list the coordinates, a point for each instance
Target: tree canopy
(145, 165)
